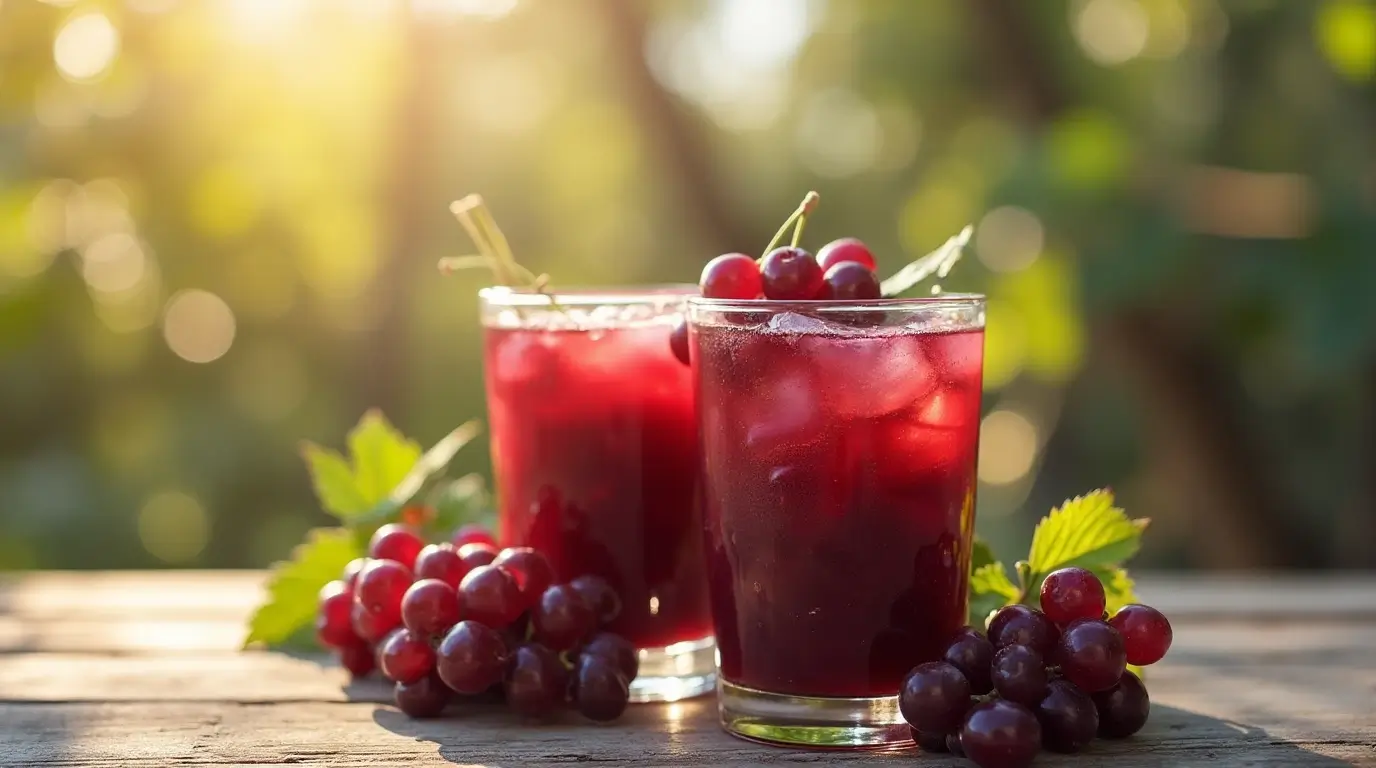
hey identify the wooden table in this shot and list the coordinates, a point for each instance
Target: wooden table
(140, 669)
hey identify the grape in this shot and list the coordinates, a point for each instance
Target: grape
(426, 697)
(731, 276)
(1091, 655)
(477, 553)
(1123, 709)
(1072, 593)
(530, 569)
(471, 658)
(472, 533)
(430, 607)
(1020, 625)
(1146, 633)
(600, 691)
(845, 249)
(1068, 716)
(562, 618)
(537, 682)
(1019, 674)
(616, 649)
(791, 274)
(850, 281)
(929, 742)
(441, 561)
(405, 657)
(934, 696)
(489, 595)
(678, 342)
(395, 542)
(332, 620)
(600, 595)
(953, 744)
(352, 570)
(372, 627)
(1001, 734)
(971, 653)
(380, 586)
(357, 658)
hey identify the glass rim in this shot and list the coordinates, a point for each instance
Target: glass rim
(948, 300)
(586, 296)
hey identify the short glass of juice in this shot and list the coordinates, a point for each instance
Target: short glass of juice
(839, 443)
(596, 461)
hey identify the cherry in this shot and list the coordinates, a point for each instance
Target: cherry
(395, 542)
(731, 276)
(845, 249)
(678, 341)
(850, 281)
(791, 274)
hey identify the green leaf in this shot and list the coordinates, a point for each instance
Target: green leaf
(461, 502)
(1118, 588)
(937, 262)
(425, 475)
(334, 482)
(990, 590)
(294, 585)
(1087, 531)
(382, 456)
(981, 554)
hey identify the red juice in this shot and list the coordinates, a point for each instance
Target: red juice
(840, 485)
(595, 454)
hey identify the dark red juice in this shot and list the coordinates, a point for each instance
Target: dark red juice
(840, 487)
(594, 447)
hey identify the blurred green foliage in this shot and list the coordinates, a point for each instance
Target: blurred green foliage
(219, 222)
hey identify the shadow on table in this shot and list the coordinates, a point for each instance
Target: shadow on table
(686, 733)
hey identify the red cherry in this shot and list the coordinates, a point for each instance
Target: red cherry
(678, 341)
(845, 249)
(791, 274)
(850, 281)
(731, 276)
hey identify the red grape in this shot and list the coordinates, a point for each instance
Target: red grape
(971, 653)
(1146, 633)
(934, 697)
(332, 622)
(1072, 593)
(426, 697)
(1001, 734)
(1091, 655)
(1068, 717)
(678, 342)
(441, 561)
(536, 684)
(1019, 674)
(477, 553)
(471, 658)
(489, 595)
(530, 569)
(599, 594)
(562, 618)
(845, 249)
(600, 690)
(405, 657)
(1123, 709)
(616, 648)
(1019, 625)
(381, 585)
(372, 627)
(352, 570)
(395, 542)
(430, 607)
(358, 659)
(472, 533)
(731, 276)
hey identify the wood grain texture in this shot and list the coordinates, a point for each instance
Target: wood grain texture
(141, 670)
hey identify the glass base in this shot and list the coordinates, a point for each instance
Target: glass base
(678, 671)
(808, 721)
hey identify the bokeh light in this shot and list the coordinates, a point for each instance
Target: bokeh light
(114, 263)
(838, 133)
(1009, 238)
(198, 326)
(1007, 447)
(85, 46)
(1110, 32)
(174, 527)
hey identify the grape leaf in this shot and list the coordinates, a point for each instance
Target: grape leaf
(1087, 531)
(990, 590)
(334, 482)
(981, 554)
(425, 476)
(294, 585)
(1118, 588)
(939, 262)
(382, 456)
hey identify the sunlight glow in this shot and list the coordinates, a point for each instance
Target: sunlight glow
(1111, 32)
(1007, 447)
(838, 133)
(114, 263)
(173, 526)
(446, 9)
(85, 47)
(1009, 239)
(198, 326)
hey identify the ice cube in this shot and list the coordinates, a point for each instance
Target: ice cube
(783, 411)
(960, 356)
(792, 322)
(524, 356)
(867, 377)
(950, 407)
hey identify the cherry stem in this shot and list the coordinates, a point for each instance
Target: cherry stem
(494, 250)
(798, 218)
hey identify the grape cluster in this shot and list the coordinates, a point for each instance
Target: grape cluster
(1052, 679)
(465, 618)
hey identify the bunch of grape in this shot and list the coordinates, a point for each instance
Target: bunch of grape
(463, 618)
(1053, 678)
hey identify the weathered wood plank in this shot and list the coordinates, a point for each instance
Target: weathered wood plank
(667, 735)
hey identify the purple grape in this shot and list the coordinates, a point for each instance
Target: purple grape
(1019, 674)
(1001, 734)
(1123, 709)
(972, 653)
(1091, 655)
(1020, 625)
(934, 696)
(1068, 716)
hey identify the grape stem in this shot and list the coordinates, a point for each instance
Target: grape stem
(796, 220)
(494, 250)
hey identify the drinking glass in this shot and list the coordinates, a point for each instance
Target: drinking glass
(839, 443)
(595, 456)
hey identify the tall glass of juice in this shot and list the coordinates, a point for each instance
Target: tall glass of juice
(596, 460)
(839, 443)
